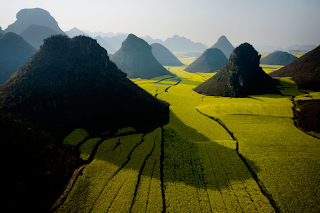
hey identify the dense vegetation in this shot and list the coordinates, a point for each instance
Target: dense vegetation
(72, 83)
(212, 60)
(14, 53)
(240, 77)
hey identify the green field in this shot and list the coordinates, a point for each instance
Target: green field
(217, 154)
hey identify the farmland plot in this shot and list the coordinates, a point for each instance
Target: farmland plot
(202, 172)
(285, 159)
(124, 176)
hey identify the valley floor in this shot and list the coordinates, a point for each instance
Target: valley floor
(215, 155)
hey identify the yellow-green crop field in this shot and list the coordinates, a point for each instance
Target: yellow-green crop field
(216, 154)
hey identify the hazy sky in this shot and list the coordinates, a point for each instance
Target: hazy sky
(272, 22)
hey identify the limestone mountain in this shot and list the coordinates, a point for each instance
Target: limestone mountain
(305, 71)
(212, 60)
(37, 16)
(182, 44)
(240, 77)
(224, 45)
(164, 56)
(278, 58)
(71, 82)
(35, 34)
(75, 32)
(105, 45)
(136, 59)
(1, 31)
(14, 53)
(150, 40)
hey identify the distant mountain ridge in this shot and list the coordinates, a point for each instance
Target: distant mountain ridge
(105, 45)
(14, 53)
(37, 16)
(136, 59)
(75, 32)
(35, 34)
(224, 45)
(164, 56)
(183, 44)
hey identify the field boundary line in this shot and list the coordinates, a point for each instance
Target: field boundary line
(253, 174)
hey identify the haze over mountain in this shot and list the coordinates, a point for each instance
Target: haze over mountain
(115, 41)
(305, 71)
(301, 48)
(105, 45)
(1, 31)
(72, 83)
(136, 59)
(182, 44)
(150, 40)
(164, 56)
(267, 48)
(224, 45)
(240, 77)
(278, 58)
(75, 32)
(14, 53)
(35, 34)
(36, 16)
(212, 60)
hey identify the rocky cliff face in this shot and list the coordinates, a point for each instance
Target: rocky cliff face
(240, 77)
(136, 59)
(72, 82)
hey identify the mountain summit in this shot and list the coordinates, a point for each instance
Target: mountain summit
(240, 77)
(71, 83)
(212, 60)
(224, 45)
(37, 16)
(136, 59)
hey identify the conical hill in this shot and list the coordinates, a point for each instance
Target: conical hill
(240, 77)
(278, 58)
(305, 71)
(72, 83)
(224, 45)
(164, 56)
(212, 60)
(136, 59)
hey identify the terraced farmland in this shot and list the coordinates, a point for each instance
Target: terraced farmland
(215, 155)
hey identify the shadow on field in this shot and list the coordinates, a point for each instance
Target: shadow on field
(191, 158)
